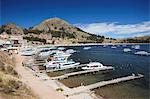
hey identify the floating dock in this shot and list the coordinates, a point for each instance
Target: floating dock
(100, 84)
(80, 72)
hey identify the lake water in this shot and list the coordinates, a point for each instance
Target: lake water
(124, 63)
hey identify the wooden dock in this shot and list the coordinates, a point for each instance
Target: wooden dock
(100, 84)
(80, 72)
(78, 66)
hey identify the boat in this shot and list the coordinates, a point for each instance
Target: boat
(68, 64)
(104, 45)
(127, 50)
(27, 52)
(95, 65)
(113, 47)
(135, 46)
(86, 48)
(142, 53)
(61, 64)
(70, 51)
(61, 48)
(45, 53)
(61, 53)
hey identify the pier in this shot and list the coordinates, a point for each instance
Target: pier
(80, 72)
(82, 89)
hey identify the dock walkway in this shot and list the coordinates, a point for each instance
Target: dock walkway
(79, 73)
(100, 84)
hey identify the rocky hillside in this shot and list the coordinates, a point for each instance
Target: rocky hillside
(57, 24)
(11, 28)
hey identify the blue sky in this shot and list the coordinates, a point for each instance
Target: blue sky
(82, 13)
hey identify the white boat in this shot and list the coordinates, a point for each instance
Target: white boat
(113, 47)
(60, 64)
(70, 51)
(104, 45)
(45, 53)
(61, 48)
(86, 48)
(68, 64)
(142, 53)
(127, 50)
(95, 65)
(61, 53)
(135, 46)
(27, 52)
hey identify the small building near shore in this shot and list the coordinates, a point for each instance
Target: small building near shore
(4, 36)
(5, 43)
(16, 40)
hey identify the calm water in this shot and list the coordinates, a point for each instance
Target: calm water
(124, 63)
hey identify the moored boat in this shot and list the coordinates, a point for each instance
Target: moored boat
(142, 53)
(113, 47)
(70, 51)
(127, 50)
(95, 65)
(87, 48)
(135, 46)
(27, 52)
(61, 64)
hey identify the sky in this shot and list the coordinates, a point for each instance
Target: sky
(111, 18)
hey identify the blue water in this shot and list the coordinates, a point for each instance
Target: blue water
(124, 63)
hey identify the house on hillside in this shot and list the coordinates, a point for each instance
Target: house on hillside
(16, 40)
(4, 36)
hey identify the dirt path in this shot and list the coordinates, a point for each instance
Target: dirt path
(42, 90)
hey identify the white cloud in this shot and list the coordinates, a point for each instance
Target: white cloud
(117, 29)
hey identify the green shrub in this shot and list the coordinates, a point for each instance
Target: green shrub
(59, 89)
(35, 39)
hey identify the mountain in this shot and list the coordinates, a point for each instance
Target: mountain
(53, 30)
(11, 28)
(55, 25)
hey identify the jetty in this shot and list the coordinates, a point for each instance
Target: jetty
(82, 89)
(80, 72)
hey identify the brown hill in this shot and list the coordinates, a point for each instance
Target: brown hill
(57, 24)
(11, 28)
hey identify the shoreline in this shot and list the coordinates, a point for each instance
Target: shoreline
(90, 44)
(35, 79)
(37, 86)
